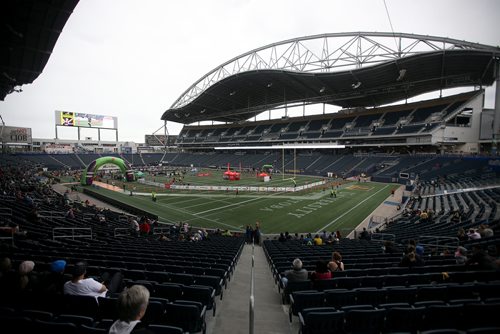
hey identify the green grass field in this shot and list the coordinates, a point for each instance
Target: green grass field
(306, 211)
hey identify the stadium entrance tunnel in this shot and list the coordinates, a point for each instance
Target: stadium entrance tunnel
(89, 172)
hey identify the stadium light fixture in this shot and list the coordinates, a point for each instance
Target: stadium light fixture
(269, 85)
(356, 85)
(202, 111)
(9, 77)
(322, 90)
(232, 93)
(402, 73)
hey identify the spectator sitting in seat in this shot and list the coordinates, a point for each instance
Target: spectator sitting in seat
(424, 216)
(297, 274)
(482, 259)
(144, 227)
(485, 231)
(389, 247)
(308, 239)
(461, 235)
(317, 240)
(414, 246)
(8, 276)
(461, 255)
(33, 216)
(132, 304)
(53, 282)
(411, 259)
(473, 234)
(70, 213)
(456, 216)
(90, 287)
(321, 271)
(336, 263)
(5, 267)
(27, 280)
(134, 226)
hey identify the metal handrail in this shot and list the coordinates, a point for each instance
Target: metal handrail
(72, 229)
(50, 214)
(426, 240)
(383, 237)
(117, 230)
(12, 234)
(160, 230)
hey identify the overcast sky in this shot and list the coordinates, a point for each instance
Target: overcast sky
(133, 58)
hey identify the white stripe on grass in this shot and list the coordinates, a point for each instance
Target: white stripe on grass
(354, 207)
(230, 205)
(205, 203)
(188, 213)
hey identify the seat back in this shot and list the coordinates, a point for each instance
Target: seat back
(172, 292)
(443, 316)
(365, 321)
(340, 297)
(82, 305)
(107, 308)
(322, 322)
(305, 299)
(75, 319)
(55, 327)
(295, 286)
(404, 319)
(370, 296)
(187, 317)
(203, 294)
(163, 329)
(154, 313)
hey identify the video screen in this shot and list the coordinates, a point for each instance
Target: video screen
(69, 118)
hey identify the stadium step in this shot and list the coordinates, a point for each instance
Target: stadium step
(233, 314)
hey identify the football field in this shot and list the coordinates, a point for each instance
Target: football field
(312, 210)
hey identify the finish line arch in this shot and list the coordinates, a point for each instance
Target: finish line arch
(89, 172)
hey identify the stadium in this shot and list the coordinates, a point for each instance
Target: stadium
(388, 207)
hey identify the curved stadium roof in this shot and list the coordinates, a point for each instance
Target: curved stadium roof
(346, 69)
(28, 33)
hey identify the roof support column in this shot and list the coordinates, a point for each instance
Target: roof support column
(284, 100)
(165, 133)
(496, 119)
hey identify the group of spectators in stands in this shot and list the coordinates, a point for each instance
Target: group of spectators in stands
(324, 270)
(253, 234)
(131, 305)
(323, 238)
(413, 256)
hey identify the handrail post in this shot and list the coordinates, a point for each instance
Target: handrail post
(252, 298)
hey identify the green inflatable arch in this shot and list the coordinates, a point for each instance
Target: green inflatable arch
(89, 172)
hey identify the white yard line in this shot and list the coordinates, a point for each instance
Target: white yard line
(190, 213)
(230, 205)
(205, 203)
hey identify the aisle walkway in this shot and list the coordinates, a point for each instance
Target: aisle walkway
(81, 197)
(233, 312)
